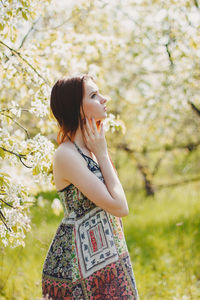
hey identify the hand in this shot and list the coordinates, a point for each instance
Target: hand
(95, 141)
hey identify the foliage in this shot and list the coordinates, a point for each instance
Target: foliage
(162, 234)
(145, 57)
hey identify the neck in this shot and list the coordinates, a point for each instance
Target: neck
(78, 139)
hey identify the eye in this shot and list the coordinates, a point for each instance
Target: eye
(93, 95)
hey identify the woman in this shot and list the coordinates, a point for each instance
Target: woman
(88, 256)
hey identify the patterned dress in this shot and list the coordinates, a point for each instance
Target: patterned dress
(88, 256)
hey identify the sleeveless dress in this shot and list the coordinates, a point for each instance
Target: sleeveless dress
(88, 256)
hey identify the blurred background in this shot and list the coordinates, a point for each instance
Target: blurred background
(145, 56)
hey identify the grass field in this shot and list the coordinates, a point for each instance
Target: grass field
(163, 237)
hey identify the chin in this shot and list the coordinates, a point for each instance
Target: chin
(101, 118)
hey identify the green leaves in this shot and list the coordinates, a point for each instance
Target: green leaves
(24, 15)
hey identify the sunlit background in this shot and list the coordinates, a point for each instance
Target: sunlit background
(145, 56)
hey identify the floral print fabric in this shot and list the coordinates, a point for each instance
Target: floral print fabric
(88, 256)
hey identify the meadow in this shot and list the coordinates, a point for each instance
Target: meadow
(144, 57)
(163, 239)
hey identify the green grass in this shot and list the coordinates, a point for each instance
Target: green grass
(163, 239)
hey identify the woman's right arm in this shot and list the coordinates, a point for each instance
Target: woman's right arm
(109, 196)
(112, 182)
(96, 142)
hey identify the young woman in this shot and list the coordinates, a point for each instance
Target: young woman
(88, 256)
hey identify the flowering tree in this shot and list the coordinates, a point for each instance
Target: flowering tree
(145, 58)
(24, 93)
(26, 78)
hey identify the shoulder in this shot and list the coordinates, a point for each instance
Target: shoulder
(63, 148)
(66, 154)
(63, 151)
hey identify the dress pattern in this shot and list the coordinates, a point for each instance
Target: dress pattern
(88, 257)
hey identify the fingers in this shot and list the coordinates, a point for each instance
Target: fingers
(102, 129)
(94, 126)
(85, 133)
(88, 128)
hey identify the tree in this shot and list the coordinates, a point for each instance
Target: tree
(145, 57)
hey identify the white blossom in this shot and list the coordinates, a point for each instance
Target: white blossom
(57, 206)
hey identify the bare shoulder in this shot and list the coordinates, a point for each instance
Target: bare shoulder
(64, 148)
(71, 167)
(65, 159)
(66, 154)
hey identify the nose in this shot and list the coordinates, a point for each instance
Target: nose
(103, 99)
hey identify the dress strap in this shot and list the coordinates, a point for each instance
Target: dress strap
(86, 157)
(77, 147)
(79, 150)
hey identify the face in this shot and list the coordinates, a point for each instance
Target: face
(93, 102)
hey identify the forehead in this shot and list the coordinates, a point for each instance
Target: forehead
(90, 86)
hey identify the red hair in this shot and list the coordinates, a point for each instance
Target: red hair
(66, 103)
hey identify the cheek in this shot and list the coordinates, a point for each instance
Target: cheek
(90, 107)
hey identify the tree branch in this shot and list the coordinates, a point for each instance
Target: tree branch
(191, 146)
(27, 34)
(196, 3)
(197, 110)
(18, 155)
(169, 54)
(8, 109)
(16, 53)
(18, 125)
(188, 180)
(2, 219)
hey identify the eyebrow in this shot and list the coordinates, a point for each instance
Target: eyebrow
(94, 91)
